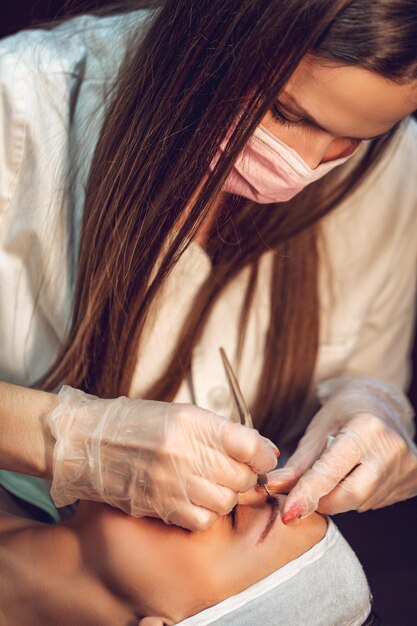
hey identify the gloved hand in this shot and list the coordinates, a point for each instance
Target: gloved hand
(173, 461)
(357, 452)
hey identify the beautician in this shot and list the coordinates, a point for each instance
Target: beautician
(209, 173)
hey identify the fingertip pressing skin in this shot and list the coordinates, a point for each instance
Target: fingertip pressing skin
(293, 515)
(301, 501)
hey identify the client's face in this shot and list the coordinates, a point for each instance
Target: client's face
(171, 572)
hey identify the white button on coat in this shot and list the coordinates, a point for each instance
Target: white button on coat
(219, 400)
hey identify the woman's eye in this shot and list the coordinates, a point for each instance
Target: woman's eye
(283, 119)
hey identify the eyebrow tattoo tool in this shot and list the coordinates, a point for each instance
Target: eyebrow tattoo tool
(242, 410)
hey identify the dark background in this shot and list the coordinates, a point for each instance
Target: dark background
(385, 540)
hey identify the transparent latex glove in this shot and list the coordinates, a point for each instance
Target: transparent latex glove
(173, 461)
(357, 452)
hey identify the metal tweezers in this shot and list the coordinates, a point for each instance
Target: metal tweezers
(243, 415)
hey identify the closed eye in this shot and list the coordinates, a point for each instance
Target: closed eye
(232, 516)
(300, 118)
(284, 118)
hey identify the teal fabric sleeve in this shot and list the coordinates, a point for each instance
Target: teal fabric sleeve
(30, 489)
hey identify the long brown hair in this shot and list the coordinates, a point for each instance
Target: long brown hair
(200, 65)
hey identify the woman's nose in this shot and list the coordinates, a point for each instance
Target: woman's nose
(324, 147)
(338, 149)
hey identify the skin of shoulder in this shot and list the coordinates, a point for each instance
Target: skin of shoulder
(46, 579)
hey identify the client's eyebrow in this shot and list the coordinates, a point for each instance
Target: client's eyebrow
(274, 504)
(295, 108)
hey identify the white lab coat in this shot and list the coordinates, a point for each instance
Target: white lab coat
(52, 88)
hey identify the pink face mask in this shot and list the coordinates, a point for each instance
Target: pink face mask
(267, 170)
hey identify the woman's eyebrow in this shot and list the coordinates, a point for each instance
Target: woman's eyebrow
(274, 504)
(295, 108)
